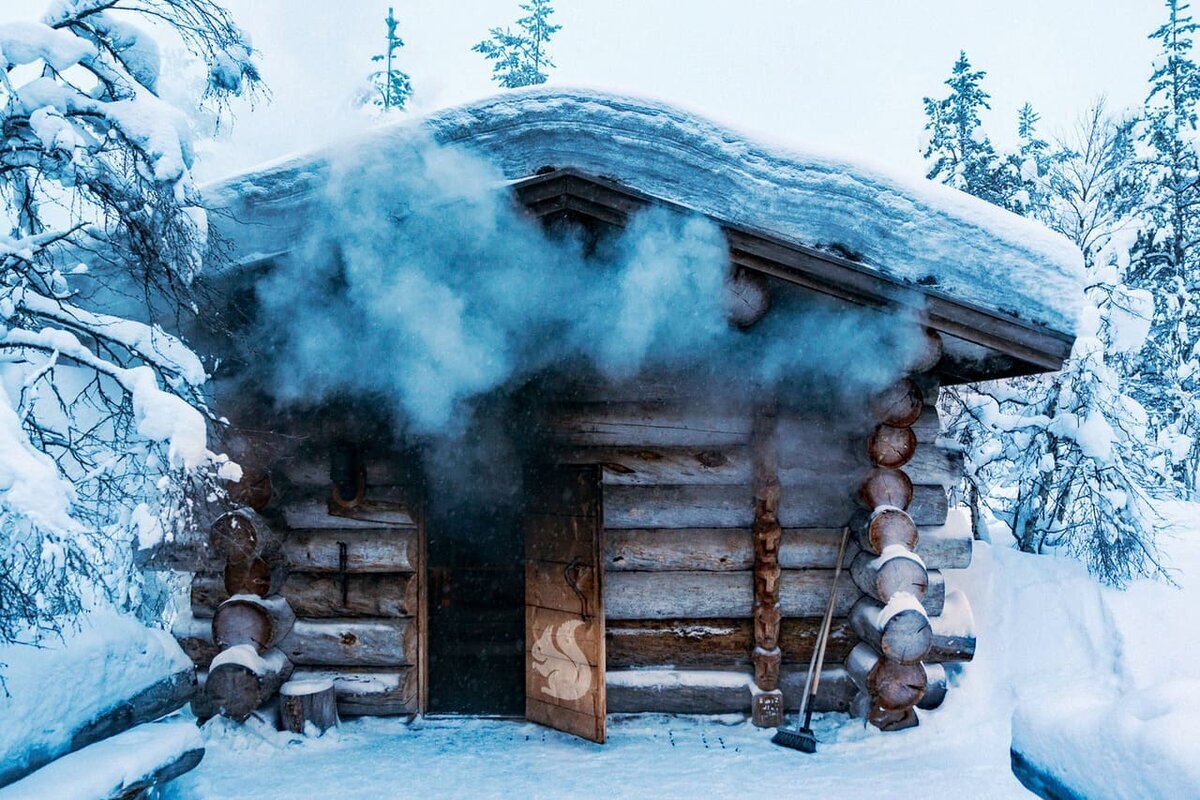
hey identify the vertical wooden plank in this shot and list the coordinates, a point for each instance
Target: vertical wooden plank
(422, 615)
(564, 631)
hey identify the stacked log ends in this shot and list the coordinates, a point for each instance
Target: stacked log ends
(253, 490)
(308, 707)
(891, 622)
(767, 709)
(249, 625)
(883, 527)
(747, 298)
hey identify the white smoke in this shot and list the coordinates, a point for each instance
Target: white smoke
(424, 283)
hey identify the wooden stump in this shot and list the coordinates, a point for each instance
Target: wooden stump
(891, 447)
(304, 703)
(747, 298)
(253, 490)
(905, 636)
(257, 576)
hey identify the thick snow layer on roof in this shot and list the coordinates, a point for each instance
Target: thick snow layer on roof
(911, 230)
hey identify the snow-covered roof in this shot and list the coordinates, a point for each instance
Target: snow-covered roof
(912, 231)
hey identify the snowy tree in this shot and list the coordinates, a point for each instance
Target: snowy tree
(1030, 163)
(390, 87)
(520, 57)
(102, 418)
(1064, 459)
(1167, 252)
(959, 152)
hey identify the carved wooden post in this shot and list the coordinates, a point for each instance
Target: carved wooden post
(891, 622)
(767, 711)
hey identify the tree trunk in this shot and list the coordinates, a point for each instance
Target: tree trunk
(249, 619)
(310, 702)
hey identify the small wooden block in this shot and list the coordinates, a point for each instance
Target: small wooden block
(767, 710)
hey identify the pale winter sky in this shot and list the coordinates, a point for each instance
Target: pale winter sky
(845, 76)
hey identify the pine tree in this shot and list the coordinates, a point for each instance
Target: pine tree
(959, 152)
(1167, 252)
(1064, 458)
(520, 57)
(1030, 164)
(391, 87)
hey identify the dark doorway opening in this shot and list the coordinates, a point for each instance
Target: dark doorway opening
(476, 635)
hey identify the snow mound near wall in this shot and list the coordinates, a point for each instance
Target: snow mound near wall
(57, 687)
(910, 230)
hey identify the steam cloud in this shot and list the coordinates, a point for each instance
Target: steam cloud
(423, 283)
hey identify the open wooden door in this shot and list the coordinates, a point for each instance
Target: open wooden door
(564, 606)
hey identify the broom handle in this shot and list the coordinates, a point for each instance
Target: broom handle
(827, 623)
(814, 672)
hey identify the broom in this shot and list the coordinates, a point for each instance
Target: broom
(803, 738)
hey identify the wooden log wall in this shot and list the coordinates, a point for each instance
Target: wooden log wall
(348, 577)
(687, 491)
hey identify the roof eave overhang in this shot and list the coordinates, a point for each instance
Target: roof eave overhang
(1000, 345)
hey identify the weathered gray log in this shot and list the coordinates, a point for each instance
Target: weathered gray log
(707, 692)
(319, 595)
(240, 679)
(900, 404)
(801, 436)
(729, 465)
(352, 643)
(709, 595)
(169, 693)
(953, 630)
(826, 504)
(127, 765)
(366, 691)
(937, 686)
(249, 619)
(897, 570)
(194, 635)
(731, 549)
(646, 425)
(317, 515)
(716, 549)
(242, 534)
(836, 692)
(385, 550)
(905, 636)
(890, 685)
(715, 643)
(946, 546)
(308, 706)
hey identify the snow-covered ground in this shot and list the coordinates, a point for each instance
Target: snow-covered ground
(1055, 651)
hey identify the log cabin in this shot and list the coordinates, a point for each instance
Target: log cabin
(667, 544)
